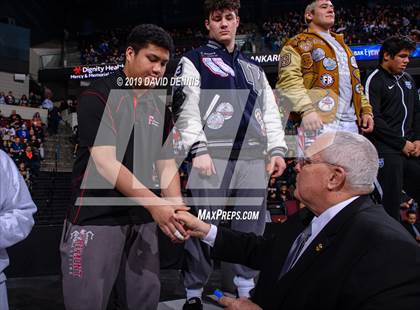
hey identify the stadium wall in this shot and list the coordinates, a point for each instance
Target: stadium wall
(8, 83)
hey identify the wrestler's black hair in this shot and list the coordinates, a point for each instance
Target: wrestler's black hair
(395, 44)
(143, 35)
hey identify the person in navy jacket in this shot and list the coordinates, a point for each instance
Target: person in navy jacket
(229, 122)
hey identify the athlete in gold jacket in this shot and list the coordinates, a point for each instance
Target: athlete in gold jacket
(319, 76)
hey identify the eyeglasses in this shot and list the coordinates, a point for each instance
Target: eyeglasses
(305, 161)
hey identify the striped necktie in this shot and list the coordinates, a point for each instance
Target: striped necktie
(296, 249)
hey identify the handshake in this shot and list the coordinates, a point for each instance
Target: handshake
(192, 226)
(176, 222)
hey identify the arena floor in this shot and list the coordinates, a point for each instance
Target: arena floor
(44, 293)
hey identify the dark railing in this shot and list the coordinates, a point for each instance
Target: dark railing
(52, 188)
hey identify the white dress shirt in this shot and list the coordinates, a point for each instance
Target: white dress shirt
(211, 236)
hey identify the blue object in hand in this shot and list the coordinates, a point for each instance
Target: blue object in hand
(218, 293)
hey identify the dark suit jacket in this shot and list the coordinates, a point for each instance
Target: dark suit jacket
(410, 228)
(362, 259)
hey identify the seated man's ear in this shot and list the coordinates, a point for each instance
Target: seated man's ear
(337, 179)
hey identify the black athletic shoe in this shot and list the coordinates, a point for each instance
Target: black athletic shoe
(193, 304)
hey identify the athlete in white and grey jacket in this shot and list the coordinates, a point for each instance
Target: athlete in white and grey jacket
(218, 90)
(16, 210)
(229, 121)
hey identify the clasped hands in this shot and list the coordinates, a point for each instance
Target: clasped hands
(173, 218)
(412, 149)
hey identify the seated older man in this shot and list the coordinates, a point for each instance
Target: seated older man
(352, 255)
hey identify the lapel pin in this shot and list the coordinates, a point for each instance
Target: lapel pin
(319, 247)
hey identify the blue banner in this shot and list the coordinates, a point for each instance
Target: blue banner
(371, 52)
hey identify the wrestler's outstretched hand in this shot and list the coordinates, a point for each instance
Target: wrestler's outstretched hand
(193, 225)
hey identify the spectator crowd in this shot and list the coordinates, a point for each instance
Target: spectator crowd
(32, 100)
(23, 141)
(361, 24)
